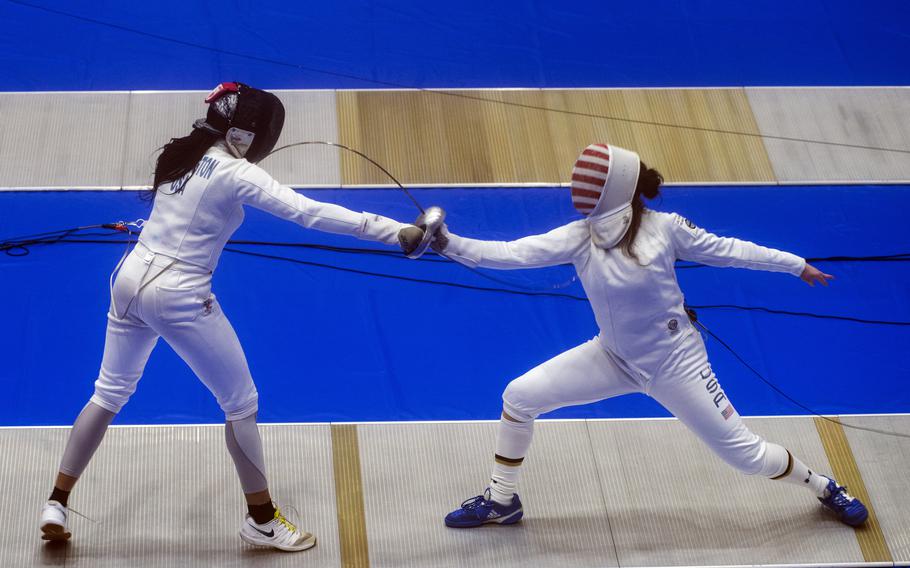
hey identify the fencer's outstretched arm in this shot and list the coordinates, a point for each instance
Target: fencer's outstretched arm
(698, 245)
(559, 246)
(258, 189)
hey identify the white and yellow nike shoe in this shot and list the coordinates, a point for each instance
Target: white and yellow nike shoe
(278, 533)
(53, 522)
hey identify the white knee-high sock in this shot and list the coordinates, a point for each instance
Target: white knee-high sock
(512, 445)
(797, 473)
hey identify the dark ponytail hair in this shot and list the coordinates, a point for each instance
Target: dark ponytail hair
(649, 181)
(180, 156)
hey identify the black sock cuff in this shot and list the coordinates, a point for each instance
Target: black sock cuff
(262, 513)
(60, 496)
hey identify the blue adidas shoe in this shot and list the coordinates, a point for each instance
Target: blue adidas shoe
(482, 509)
(848, 509)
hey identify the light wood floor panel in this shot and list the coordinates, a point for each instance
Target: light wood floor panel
(471, 137)
(60, 140)
(873, 116)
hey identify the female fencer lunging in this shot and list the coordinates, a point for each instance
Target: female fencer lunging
(624, 255)
(202, 181)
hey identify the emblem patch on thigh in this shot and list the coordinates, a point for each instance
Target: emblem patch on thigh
(208, 305)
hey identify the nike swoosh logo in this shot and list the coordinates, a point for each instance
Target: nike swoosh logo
(269, 534)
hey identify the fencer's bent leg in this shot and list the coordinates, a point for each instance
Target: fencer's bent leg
(190, 319)
(128, 344)
(580, 375)
(512, 443)
(686, 385)
(583, 374)
(245, 447)
(194, 325)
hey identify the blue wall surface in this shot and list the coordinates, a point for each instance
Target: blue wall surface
(330, 345)
(103, 44)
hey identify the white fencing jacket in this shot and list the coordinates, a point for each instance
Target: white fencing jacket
(637, 304)
(194, 217)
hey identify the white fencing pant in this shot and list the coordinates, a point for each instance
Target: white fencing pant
(177, 305)
(684, 384)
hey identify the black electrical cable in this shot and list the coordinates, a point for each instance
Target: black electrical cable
(46, 238)
(349, 149)
(899, 257)
(568, 296)
(800, 314)
(54, 237)
(65, 236)
(459, 95)
(404, 278)
(879, 258)
(571, 296)
(19, 246)
(777, 389)
(413, 200)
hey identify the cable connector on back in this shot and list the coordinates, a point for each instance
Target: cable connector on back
(124, 226)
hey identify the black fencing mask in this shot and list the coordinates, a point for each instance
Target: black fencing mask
(249, 119)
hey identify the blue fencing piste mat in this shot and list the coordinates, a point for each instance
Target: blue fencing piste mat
(330, 344)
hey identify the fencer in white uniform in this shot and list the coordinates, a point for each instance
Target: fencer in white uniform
(163, 289)
(624, 255)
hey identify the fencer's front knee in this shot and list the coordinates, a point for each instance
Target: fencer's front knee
(517, 403)
(112, 393)
(761, 458)
(775, 460)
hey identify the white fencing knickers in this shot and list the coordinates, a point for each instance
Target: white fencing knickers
(175, 303)
(684, 384)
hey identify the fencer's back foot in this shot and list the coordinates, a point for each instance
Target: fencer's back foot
(55, 533)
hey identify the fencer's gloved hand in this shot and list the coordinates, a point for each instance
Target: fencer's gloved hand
(409, 238)
(441, 240)
(429, 222)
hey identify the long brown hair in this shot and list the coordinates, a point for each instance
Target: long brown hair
(181, 155)
(649, 181)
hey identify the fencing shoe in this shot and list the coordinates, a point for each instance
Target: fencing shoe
(848, 509)
(278, 533)
(53, 522)
(482, 509)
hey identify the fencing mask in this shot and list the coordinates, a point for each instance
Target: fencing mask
(603, 185)
(249, 119)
